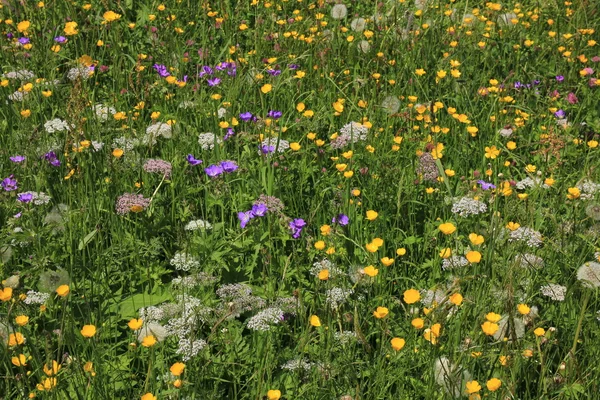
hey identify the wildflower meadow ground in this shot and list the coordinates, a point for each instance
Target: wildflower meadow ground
(299, 199)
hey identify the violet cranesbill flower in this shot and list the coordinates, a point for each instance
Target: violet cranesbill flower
(341, 219)
(229, 166)
(162, 70)
(230, 133)
(213, 82)
(24, 40)
(274, 114)
(193, 161)
(244, 217)
(213, 170)
(9, 184)
(560, 78)
(560, 114)
(246, 116)
(17, 159)
(296, 226)
(267, 149)
(25, 197)
(273, 72)
(60, 39)
(259, 210)
(293, 66)
(206, 70)
(52, 159)
(485, 185)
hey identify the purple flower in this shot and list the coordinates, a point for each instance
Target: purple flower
(259, 210)
(162, 70)
(229, 166)
(572, 98)
(230, 133)
(560, 114)
(25, 197)
(244, 218)
(52, 159)
(341, 219)
(246, 116)
(193, 161)
(18, 215)
(296, 226)
(267, 148)
(17, 159)
(273, 72)
(560, 78)
(24, 40)
(213, 170)
(206, 70)
(9, 184)
(213, 81)
(60, 39)
(293, 66)
(485, 185)
(274, 114)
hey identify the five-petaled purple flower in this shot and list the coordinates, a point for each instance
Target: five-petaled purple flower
(274, 114)
(296, 226)
(246, 116)
(52, 159)
(560, 78)
(193, 161)
(213, 170)
(341, 219)
(17, 159)
(244, 218)
(213, 81)
(229, 166)
(560, 114)
(485, 185)
(25, 197)
(162, 70)
(60, 39)
(9, 184)
(259, 210)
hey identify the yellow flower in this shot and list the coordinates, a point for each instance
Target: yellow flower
(397, 343)
(447, 228)
(473, 131)
(371, 247)
(315, 321)
(53, 370)
(420, 72)
(111, 16)
(441, 74)
(493, 384)
(148, 396)
(325, 230)
(574, 193)
(266, 88)
(473, 256)
(274, 394)
(377, 242)
(63, 290)
(149, 341)
(324, 274)
(386, 261)
(25, 113)
(135, 324)
(489, 328)
(71, 28)
(371, 271)
(16, 339)
(372, 215)
(320, 245)
(381, 312)
(295, 146)
(177, 368)
(511, 145)
(22, 320)
(88, 331)
(338, 106)
(472, 387)
(539, 332)
(19, 361)
(476, 239)
(6, 294)
(513, 226)
(23, 26)
(117, 153)
(530, 168)
(491, 152)
(330, 250)
(527, 353)
(418, 323)
(493, 317)
(523, 309)
(411, 296)
(348, 174)
(401, 251)
(456, 299)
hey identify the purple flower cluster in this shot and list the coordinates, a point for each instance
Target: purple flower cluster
(162, 70)
(257, 210)
(210, 72)
(215, 170)
(52, 158)
(9, 184)
(129, 202)
(154, 166)
(296, 226)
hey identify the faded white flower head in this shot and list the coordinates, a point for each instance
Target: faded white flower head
(358, 24)
(339, 11)
(589, 274)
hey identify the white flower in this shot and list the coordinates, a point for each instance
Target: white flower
(364, 46)
(339, 11)
(155, 329)
(208, 140)
(159, 129)
(358, 24)
(589, 274)
(391, 104)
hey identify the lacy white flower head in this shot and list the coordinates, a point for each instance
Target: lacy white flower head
(103, 112)
(352, 132)
(339, 11)
(186, 104)
(184, 262)
(190, 348)
(588, 189)
(34, 297)
(528, 182)
(198, 224)
(325, 264)
(297, 364)
(265, 319)
(221, 112)
(159, 129)
(336, 296)
(527, 260)
(39, 198)
(526, 235)
(589, 274)
(454, 262)
(81, 72)
(18, 96)
(273, 145)
(466, 206)
(57, 125)
(208, 140)
(554, 291)
(22, 75)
